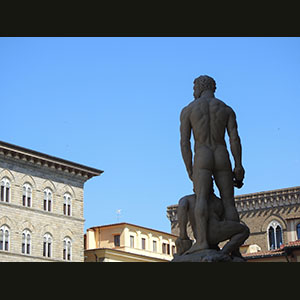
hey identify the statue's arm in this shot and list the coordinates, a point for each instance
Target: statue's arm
(185, 143)
(235, 145)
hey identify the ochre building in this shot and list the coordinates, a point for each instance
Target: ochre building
(125, 242)
(41, 206)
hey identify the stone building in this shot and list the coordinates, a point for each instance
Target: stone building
(124, 242)
(41, 206)
(273, 218)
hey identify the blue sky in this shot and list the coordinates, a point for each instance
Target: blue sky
(114, 103)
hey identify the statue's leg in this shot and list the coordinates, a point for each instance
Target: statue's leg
(202, 172)
(191, 212)
(236, 232)
(202, 189)
(183, 242)
(182, 217)
(224, 183)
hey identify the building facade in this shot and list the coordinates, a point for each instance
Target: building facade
(273, 218)
(124, 242)
(41, 206)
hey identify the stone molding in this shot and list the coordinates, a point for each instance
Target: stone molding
(256, 201)
(48, 161)
(268, 199)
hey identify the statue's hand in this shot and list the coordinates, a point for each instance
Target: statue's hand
(239, 173)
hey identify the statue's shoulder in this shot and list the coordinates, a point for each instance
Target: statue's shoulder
(187, 199)
(187, 110)
(220, 102)
(224, 106)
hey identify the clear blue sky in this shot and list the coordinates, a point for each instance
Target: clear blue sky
(114, 104)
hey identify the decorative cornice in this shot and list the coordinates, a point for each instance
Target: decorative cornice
(45, 160)
(172, 213)
(268, 199)
(256, 201)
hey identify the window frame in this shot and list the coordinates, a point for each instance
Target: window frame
(26, 242)
(67, 249)
(274, 225)
(143, 243)
(132, 238)
(27, 194)
(4, 238)
(298, 231)
(48, 200)
(117, 240)
(154, 246)
(47, 245)
(164, 247)
(5, 190)
(67, 205)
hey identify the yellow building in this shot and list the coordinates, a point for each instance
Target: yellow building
(124, 242)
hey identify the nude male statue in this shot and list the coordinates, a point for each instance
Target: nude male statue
(208, 118)
(218, 229)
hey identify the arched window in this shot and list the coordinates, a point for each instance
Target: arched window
(27, 195)
(274, 235)
(26, 242)
(67, 204)
(47, 199)
(5, 190)
(4, 238)
(298, 231)
(47, 245)
(67, 251)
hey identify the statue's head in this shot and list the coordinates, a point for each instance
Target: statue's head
(203, 83)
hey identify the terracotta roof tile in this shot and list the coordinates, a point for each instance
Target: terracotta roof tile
(275, 252)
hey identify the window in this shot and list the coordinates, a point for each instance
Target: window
(26, 242)
(132, 241)
(164, 248)
(5, 190)
(271, 238)
(274, 235)
(27, 195)
(47, 245)
(117, 240)
(173, 250)
(67, 251)
(298, 231)
(143, 243)
(47, 199)
(154, 246)
(4, 238)
(67, 204)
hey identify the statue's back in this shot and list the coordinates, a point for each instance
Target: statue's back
(209, 117)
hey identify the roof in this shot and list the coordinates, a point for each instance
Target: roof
(36, 157)
(129, 224)
(294, 244)
(263, 254)
(271, 253)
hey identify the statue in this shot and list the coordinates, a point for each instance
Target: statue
(208, 118)
(218, 229)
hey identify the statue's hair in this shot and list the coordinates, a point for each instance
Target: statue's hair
(205, 82)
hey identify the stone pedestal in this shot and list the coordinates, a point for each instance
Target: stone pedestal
(208, 255)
